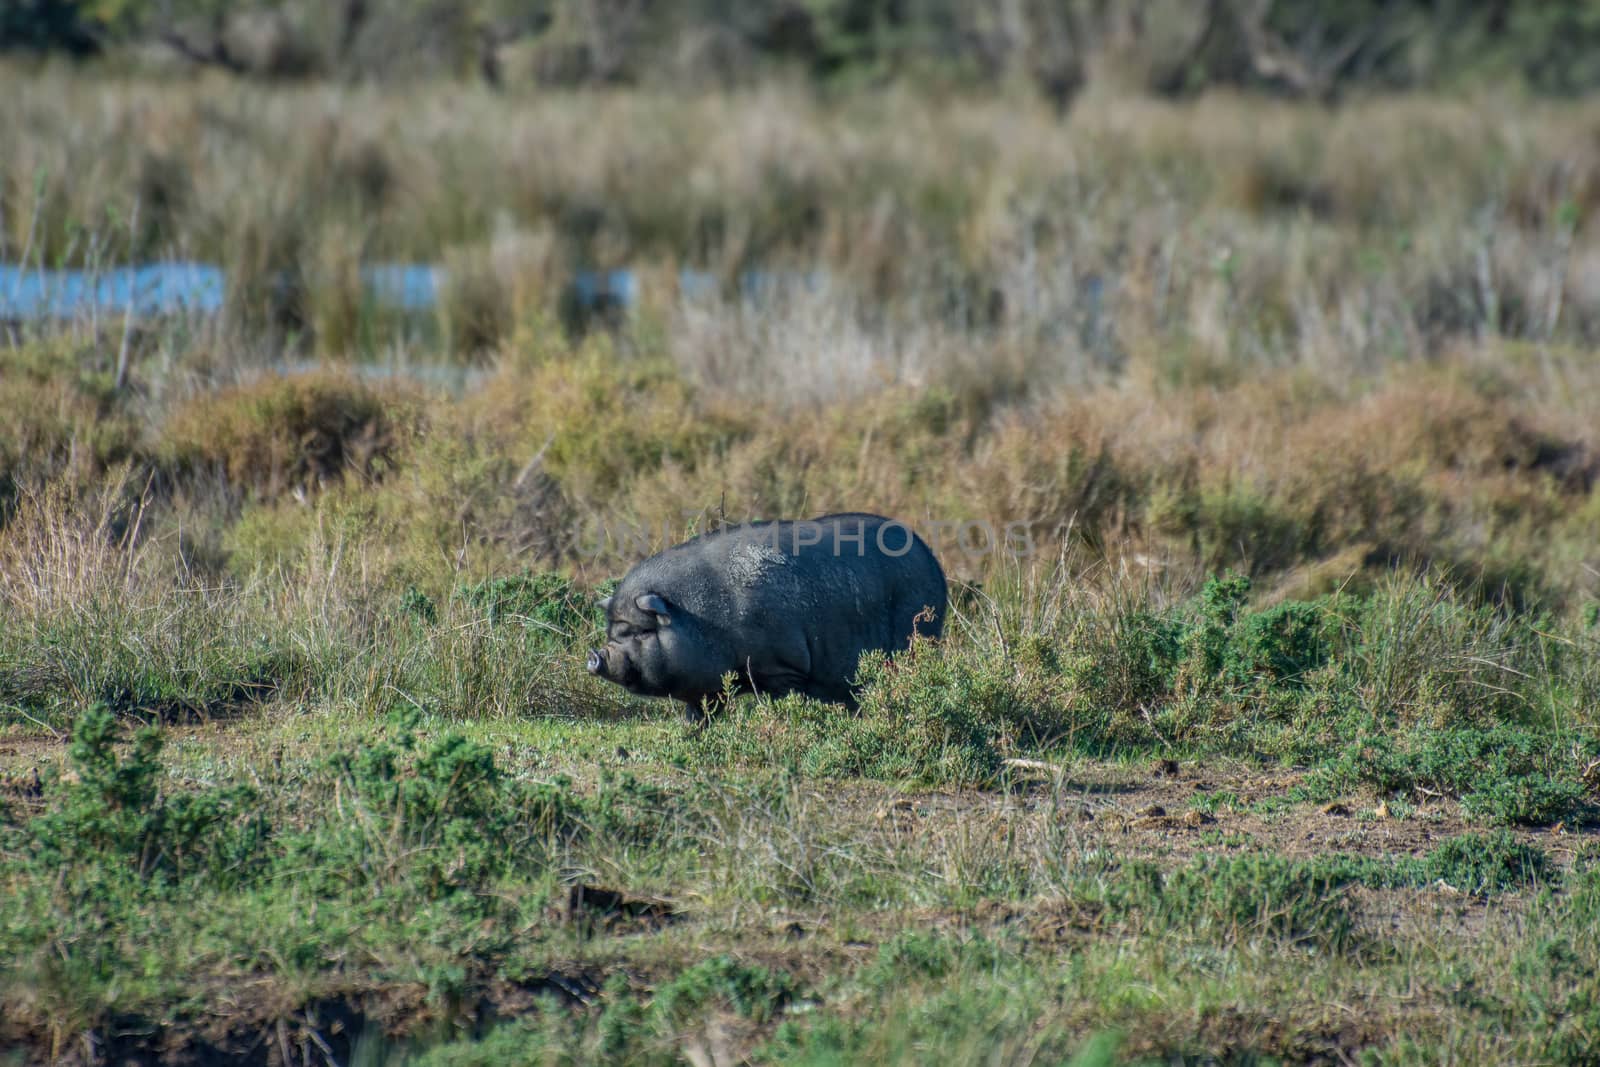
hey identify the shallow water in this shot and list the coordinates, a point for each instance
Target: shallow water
(28, 293)
(160, 288)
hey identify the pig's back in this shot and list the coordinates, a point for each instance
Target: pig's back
(860, 573)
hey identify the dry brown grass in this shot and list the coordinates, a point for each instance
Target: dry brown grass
(62, 552)
(974, 239)
(1285, 477)
(291, 433)
(1229, 332)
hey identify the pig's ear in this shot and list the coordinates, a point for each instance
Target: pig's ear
(605, 604)
(654, 605)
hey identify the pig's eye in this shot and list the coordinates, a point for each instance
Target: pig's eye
(621, 630)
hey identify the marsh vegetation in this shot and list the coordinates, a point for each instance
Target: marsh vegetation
(1280, 741)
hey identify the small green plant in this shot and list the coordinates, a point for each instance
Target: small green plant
(117, 818)
(418, 605)
(546, 603)
(623, 1021)
(757, 993)
(445, 806)
(1283, 644)
(1275, 648)
(1128, 659)
(914, 953)
(1214, 801)
(1220, 604)
(1503, 774)
(1486, 864)
(1238, 898)
(926, 716)
(1482, 865)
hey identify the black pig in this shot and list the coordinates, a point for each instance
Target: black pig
(788, 607)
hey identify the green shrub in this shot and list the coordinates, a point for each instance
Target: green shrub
(929, 715)
(915, 953)
(116, 819)
(519, 1043)
(757, 993)
(919, 955)
(1484, 865)
(1207, 641)
(623, 1021)
(418, 605)
(1238, 897)
(1373, 872)
(1537, 801)
(445, 808)
(1275, 648)
(1120, 664)
(1282, 644)
(546, 603)
(1504, 774)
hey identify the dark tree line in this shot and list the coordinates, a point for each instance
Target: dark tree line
(1310, 48)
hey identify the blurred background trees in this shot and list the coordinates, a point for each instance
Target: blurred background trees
(1316, 49)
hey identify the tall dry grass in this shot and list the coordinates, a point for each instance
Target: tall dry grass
(1305, 343)
(1211, 239)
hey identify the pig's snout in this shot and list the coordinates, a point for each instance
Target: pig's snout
(597, 660)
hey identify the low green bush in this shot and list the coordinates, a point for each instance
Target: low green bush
(546, 603)
(114, 823)
(1502, 774)
(1478, 864)
(930, 716)
(755, 992)
(1484, 865)
(1236, 898)
(122, 873)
